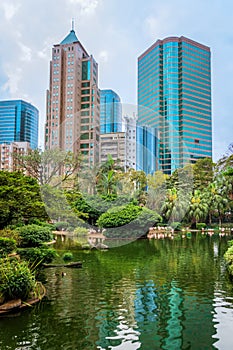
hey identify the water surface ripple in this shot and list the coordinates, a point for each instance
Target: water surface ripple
(158, 294)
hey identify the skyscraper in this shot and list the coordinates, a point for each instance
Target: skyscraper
(73, 100)
(110, 112)
(147, 149)
(18, 122)
(174, 96)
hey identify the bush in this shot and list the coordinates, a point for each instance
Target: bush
(134, 223)
(16, 279)
(68, 256)
(34, 235)
(37, 256)
(119, 216)
(10, 233)
(200, 225)
(176, 225)
(228, 256)
(37, 222)
(7, 246)
(81, 231)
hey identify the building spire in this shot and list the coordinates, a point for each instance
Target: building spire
(72, 28)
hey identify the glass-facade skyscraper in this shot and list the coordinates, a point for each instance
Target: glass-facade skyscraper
(110, 112)
(18, 122)
(174, 96)
(147, 149)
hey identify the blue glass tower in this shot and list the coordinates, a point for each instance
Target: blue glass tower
(110, 112)
(147, 149)
(174, 96)
(18, 122)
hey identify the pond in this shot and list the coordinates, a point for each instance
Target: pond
(157, 294)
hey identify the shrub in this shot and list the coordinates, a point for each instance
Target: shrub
(10, 233)
(37, 256)
(67, 256)
(228, 256)
(81, 231)
(176, 225)
(7, 246)
(37, 222)
(200, 225)
(34, 235)
(129, 221)
(119, 216)
(16, 279)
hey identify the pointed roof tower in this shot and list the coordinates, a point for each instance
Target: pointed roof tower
(71, 37)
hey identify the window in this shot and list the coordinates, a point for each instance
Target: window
(86, 92)
(86, 70)
(84, 99)
(84, 136)
(87, 84)
(85, 105)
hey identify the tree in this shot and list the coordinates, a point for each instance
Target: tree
(51, 166)
(106, 179)
(203, 171)
(198, 208)
(175, 205)
(20, 199)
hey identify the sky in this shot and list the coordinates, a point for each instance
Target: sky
(115, 32)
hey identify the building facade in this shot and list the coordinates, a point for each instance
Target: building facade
(113, 144)
(18, 122)
(73, 112)
(10, 154)
(174, 96)
(129, 123)
(147, 149)
(110, 112)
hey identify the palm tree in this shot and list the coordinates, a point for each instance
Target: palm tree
(198, 208)
(175, 205)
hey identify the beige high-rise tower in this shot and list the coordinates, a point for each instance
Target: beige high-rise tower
(73, 114)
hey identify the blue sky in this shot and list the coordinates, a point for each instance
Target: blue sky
(116, 32)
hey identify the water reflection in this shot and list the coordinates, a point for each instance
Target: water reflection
(157, 294)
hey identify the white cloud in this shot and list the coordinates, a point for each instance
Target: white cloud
(45, 52)
(9, 10)
(26, 52)
(14, 77)
(162, 21)
(103, 56)
(87, 6)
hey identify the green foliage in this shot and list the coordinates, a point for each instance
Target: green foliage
(200, 225)
(61, 225)
(38, 255)
(228, 256)
(81, 231)
(9, 233)
(7, 246)
(119, 216)
(92, 206)
(176, 225)
(20, 199)
(52, 227)
(45, 166)
(203, 173)
(68, 256)
(34, 235)
(16, 279)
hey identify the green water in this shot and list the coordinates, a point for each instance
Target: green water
(158, 294)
